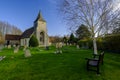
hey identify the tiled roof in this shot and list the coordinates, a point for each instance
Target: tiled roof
(12, 37)
(27, 33)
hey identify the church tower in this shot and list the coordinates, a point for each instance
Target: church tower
(40, 30)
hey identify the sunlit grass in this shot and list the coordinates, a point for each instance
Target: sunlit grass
(45, 65)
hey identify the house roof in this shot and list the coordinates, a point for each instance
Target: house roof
(27, 33)
(12, 37)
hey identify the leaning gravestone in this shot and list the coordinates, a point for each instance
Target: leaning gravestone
(27, 53)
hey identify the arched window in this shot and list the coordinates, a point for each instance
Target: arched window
(42, 38)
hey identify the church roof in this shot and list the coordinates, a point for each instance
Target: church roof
(27, 33)
(12, 37)
(39, 17)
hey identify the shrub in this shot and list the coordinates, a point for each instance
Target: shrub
(86, 43)
(33, 41)
(112, 43)
(108, 43)
(100, 44)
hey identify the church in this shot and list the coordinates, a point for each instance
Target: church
(39, 29)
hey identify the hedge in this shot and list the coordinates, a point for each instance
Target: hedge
(112, 43)
(108, 43)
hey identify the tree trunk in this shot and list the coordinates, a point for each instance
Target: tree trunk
(95, 45)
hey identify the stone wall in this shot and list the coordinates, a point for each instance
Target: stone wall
(41, 28)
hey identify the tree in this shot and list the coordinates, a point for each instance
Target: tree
(116, 23)
(72, 38)
(6, 28)
(1, 39)
(116, 31)
(33, 41)
(95, 14)
(65, 40)
(82, 32)
(55, 39)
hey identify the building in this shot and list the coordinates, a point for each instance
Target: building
(12, 39)
(39, 29)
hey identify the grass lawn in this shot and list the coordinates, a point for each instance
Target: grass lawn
(45, 65)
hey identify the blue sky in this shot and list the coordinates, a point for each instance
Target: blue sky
(22, 13)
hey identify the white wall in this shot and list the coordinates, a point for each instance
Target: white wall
(25, 42)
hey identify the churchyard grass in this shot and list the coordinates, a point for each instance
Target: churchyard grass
(45, 65)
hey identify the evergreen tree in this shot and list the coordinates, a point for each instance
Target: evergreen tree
(82, 32)
(33, 41)
(65, 40)
(72, 38)
(116, 31)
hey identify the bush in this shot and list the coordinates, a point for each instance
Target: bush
(100, 44)
(86, 43)
(108, 43)
(33, 41)
(112, 43)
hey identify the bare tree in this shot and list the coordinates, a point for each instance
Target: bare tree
(6, 28)
(95, 14)
(55, 39)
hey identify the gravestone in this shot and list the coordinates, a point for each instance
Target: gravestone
(58, 48)
(14, 46)
(16, 50)
(5, 46)
(60, 45)
(78, 47)
(18, 46)
(24, 48)
(67, 43)
(9, 46)
(27, 53)
(63, 44)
